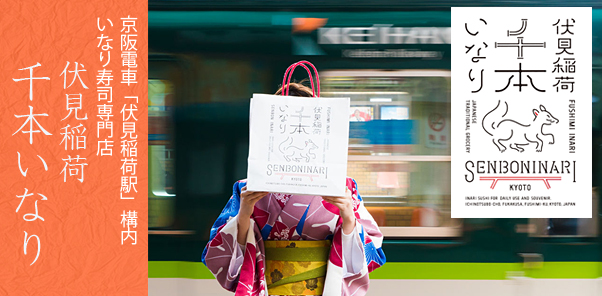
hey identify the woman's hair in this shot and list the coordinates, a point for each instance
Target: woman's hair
(297, 90)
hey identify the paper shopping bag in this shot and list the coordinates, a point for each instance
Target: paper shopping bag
(298, 145)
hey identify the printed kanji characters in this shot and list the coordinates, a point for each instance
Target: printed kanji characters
(31, 79)
(31, 119)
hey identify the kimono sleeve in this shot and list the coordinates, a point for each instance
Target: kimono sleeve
(369, 234)
(223, 255)
(353, 252)
(354, 256)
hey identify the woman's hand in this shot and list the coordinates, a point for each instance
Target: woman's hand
(247, 203)
(248, 200)
(345, 206)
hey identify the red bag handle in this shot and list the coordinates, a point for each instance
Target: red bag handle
(289, 73)
(286, 83)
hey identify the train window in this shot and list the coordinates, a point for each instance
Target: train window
(399, 150)
(161, 158)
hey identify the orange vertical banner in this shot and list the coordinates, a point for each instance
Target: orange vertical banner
(73, 148)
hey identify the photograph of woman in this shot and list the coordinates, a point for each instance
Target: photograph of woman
(268, 243)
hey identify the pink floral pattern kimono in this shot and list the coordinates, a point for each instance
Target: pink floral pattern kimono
(294, 217)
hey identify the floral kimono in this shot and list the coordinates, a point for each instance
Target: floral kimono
(310, 221)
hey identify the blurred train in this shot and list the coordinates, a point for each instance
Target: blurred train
(205, 63)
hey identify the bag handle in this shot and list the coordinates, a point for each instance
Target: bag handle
(303, 63)
(290, 70)
(289, 74)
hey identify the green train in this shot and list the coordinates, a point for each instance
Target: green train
(205, 64)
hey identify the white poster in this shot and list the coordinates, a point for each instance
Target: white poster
(298, 145)
(521, 112)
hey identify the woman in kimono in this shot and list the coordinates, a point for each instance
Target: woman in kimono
(281, 244)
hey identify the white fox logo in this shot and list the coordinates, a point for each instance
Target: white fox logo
(515, 133)
(296, 153)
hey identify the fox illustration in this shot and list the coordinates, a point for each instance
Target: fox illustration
(516, 133)
(296, 153)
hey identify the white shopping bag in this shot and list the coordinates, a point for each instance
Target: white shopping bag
(298, 145)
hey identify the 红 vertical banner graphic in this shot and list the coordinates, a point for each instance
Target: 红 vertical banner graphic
(73, 146)
(521, 112)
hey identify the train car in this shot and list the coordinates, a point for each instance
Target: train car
(394, 63)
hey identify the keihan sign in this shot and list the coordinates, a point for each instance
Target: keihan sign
(384, 34)
(521, 113)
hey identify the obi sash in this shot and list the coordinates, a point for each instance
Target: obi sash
(296, 267)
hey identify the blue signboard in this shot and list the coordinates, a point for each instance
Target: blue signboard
(385, 132)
